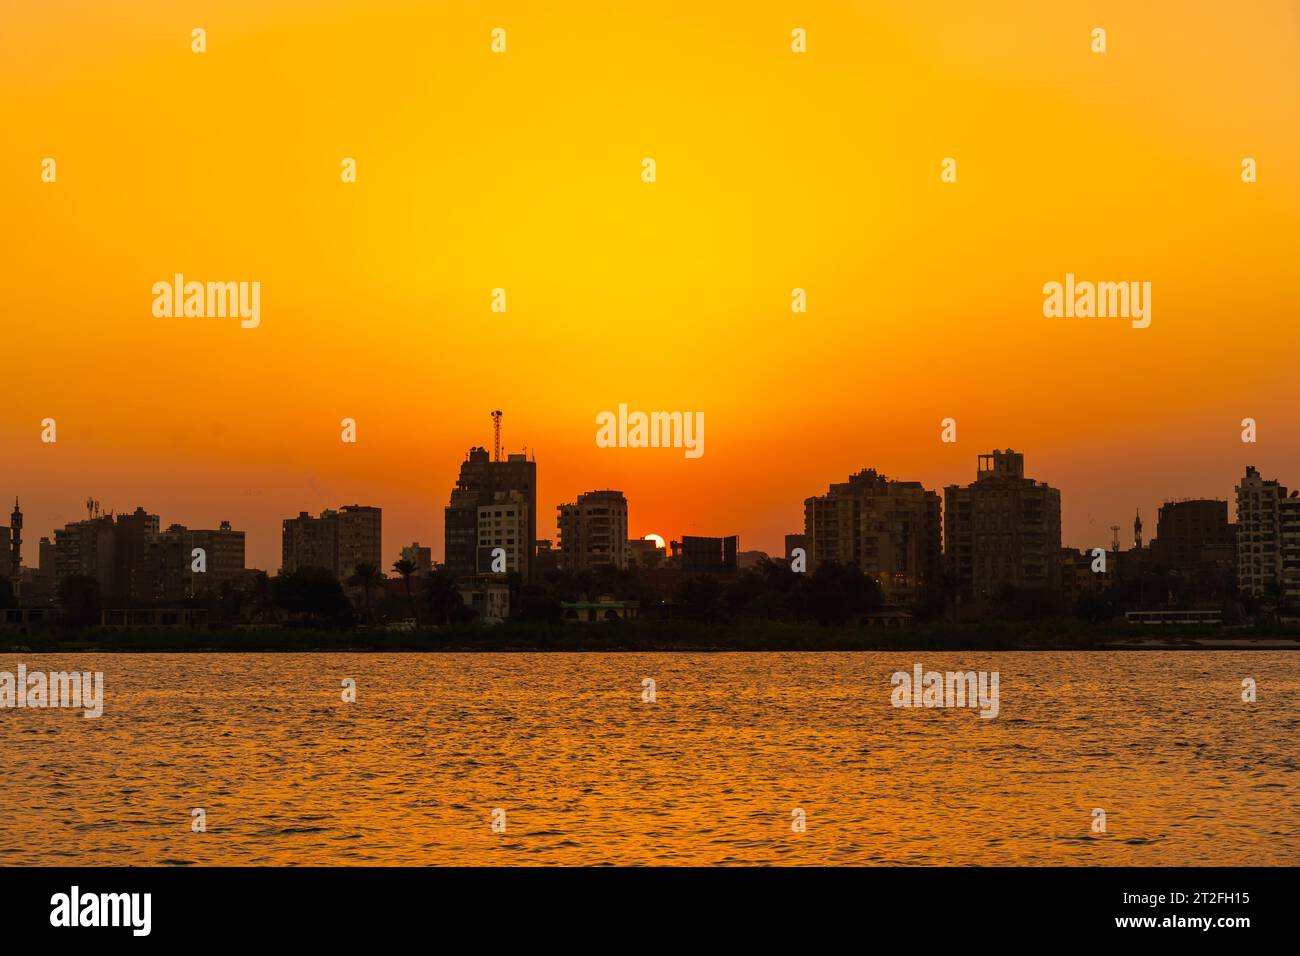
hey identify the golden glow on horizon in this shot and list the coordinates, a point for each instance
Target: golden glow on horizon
(522, 171)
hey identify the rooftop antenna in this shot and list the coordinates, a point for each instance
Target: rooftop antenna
(496, 435)
(1114, 544)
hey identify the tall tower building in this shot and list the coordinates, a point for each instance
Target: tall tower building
(1268, 539)
(478, 484)
(891, 530)
(1003, 529)
(133, 535)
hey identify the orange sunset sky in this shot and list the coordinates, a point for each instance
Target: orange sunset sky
(522, 170)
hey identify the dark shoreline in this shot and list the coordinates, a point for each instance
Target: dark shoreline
(663, 637)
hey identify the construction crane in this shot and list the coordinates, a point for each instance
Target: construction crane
(496, 435)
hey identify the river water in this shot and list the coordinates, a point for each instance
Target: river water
(714, 770)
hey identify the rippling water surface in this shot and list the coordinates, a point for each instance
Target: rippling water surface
(707, 774)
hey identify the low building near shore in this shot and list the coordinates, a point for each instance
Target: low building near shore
(890, 617)
(602, 609)
(1207, 616)
(487, 595)
(154, 618)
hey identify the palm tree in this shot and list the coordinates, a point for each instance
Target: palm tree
(442, 599)
(367, 577)
(406, 567)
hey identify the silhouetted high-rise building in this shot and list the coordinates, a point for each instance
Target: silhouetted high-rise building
(223, 551)
(159, 568)
(1003, 529)
(891, 530)
(86, 548)
(1268, 539)
(503, 524)
(133, 559)
(48, 558)
(1192, 533)
(1289, 522)
(700, 555)
(38, 583)
(307, 542)
(360, 539)
(131, 533)
(593, 531)
(337, 540)
(479, 480)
